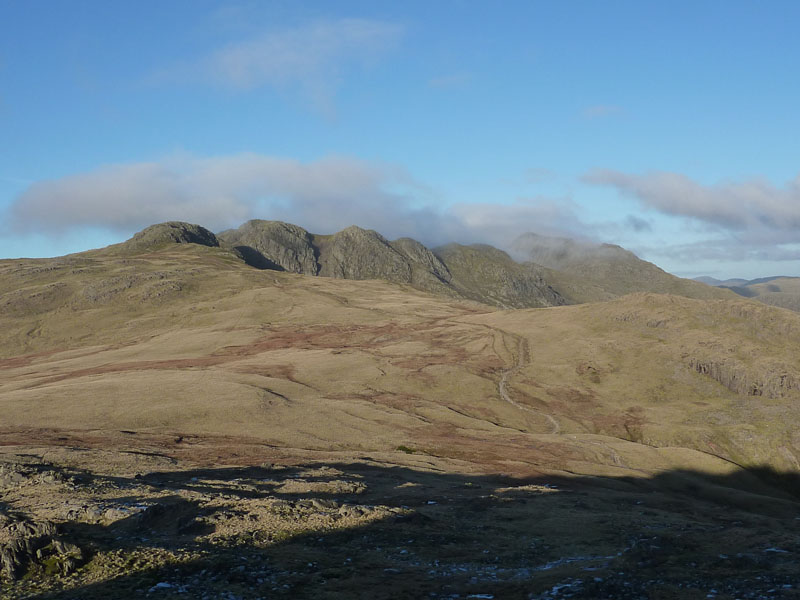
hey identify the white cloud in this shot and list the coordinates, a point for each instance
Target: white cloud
(752, 207)
(727, 250)
(732, 222)
(217, 192)
(323, 196)
(310, 60)
(501, 224)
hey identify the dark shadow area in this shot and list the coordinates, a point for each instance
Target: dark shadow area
(742, 291)
(374, 531)
(254, 258)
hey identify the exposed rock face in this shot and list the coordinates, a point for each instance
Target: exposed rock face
(24, 543)
(485, 274)
(735, 359)
(773, 383)
(356, 253)
(353, 253)
(490, 275)
(274, 245)
(426, 268)
(172, 232)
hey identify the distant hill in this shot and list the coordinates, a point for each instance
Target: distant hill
(719, 282)
(778, 290)
(585, 272)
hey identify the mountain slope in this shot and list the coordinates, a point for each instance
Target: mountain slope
(585, 272)
(717, 376)
(780, 291)
(489, 275)
(172, 232)
(557, 271)
(156, 340)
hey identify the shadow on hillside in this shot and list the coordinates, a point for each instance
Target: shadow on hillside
(256, 259)
(358, 530)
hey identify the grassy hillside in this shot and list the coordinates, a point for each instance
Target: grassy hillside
(189, 338)
(171, 414)
(720, 377)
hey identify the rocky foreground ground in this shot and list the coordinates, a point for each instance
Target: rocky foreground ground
(88, 522)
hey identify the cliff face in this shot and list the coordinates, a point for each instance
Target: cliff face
(774, 382)
(275, 245)
(356, 253)
(489, 275)
(426, 268)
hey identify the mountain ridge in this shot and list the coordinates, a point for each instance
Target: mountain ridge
(571, 273)
(578, 272)
(357, 253)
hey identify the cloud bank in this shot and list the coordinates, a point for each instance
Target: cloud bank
(323, 196)
(751, 219)
(746, 205)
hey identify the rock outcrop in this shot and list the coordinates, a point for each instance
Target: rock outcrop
(25, 544)
(426, 268)
(776, 382)
(489, 275)
(356, 253)
(172, 232)
(274, 245)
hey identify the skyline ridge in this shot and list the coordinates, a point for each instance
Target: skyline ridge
(651, 127)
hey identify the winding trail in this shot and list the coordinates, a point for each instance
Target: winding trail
(523, 358)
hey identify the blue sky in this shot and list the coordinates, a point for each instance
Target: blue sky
(669, 128)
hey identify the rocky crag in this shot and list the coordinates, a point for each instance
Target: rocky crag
(479, 273)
